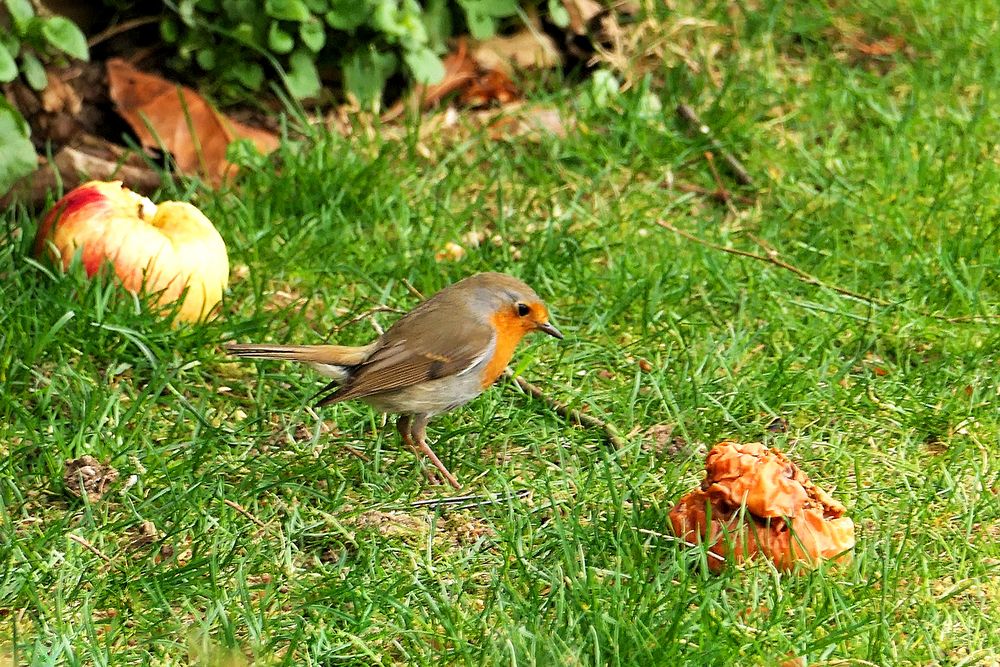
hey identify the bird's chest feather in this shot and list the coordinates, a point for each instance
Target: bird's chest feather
(509, 332)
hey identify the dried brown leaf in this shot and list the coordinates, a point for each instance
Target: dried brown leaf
(580, 13)
(528, 49)
(176, 118)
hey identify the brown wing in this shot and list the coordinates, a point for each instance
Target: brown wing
(428, 343)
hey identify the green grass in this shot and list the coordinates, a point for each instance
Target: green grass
(878, 176)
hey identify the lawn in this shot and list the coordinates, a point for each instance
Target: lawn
(246, 527)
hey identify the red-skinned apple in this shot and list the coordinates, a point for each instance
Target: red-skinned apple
(162, 249)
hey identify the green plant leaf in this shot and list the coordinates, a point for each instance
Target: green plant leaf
(558, 13)
(169, 31)
(33, 71)
(185, 9)
(302, 77)
(493, 8)
(244, 32)
(288, 10)
(17, 159)
(206, 58)
(348, 15)
(8, 68)
(278, 40)
(250, 75)
(425, 65)
(313, 34)
(21, 12)
(11, 43)
(481, 26)
(317, 7)
(239, 10)
(437, 24)
(408, 24)
(365, 74)
(63, 34)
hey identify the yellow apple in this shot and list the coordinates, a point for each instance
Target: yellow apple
(160, 249)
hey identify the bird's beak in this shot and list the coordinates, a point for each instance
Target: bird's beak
(551, 330)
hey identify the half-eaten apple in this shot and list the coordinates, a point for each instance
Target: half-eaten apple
(169, 250)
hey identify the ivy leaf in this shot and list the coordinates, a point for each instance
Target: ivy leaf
(558, 13)
(302, 77)
(8, 68)
(437, 24)
(17, 159)
(279, 40)
(312, 34)
(365, 74)
(21, 12)
(63, 34)
(425, 65)
(33, 71)
(206, 58)
(481, 26)
(250, 75)
(347, 15)
(288, 10)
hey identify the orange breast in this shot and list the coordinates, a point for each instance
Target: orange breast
(510, 330)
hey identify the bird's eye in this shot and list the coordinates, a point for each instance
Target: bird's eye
(523, 309)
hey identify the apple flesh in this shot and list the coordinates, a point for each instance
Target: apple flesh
(160, 249)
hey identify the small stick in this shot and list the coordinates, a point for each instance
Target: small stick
(570, 413)
(89, 547)
(662, 536)
(242, 510)
(413, 290)
(720, 197)
(367, 313)
(724, 193)
(689, 116)
(805, 277)
(809, 279)
(478, 500)
(119, 28)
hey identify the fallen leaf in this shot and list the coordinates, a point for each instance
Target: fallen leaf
(459, 69)
(661, 439)
(778, 425)
(58, 96)
(580, 13)
(492, 87)
(531, 122)
(880, 47)
(528, 49)
(477, 86)
(166, 115)
(86, 476)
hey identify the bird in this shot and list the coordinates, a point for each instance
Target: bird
(439, 356)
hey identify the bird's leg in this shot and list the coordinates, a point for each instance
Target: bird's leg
(418, 432)
(403, 425)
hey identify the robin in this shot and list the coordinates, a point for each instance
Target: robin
(440, 355)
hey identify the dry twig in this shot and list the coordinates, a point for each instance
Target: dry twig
(242, 510)
(366, 314)
(572, 414)
(89, 547)
(672, 538)
(690, 117)
(772, 258)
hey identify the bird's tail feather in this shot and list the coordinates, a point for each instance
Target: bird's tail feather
(321, 355)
